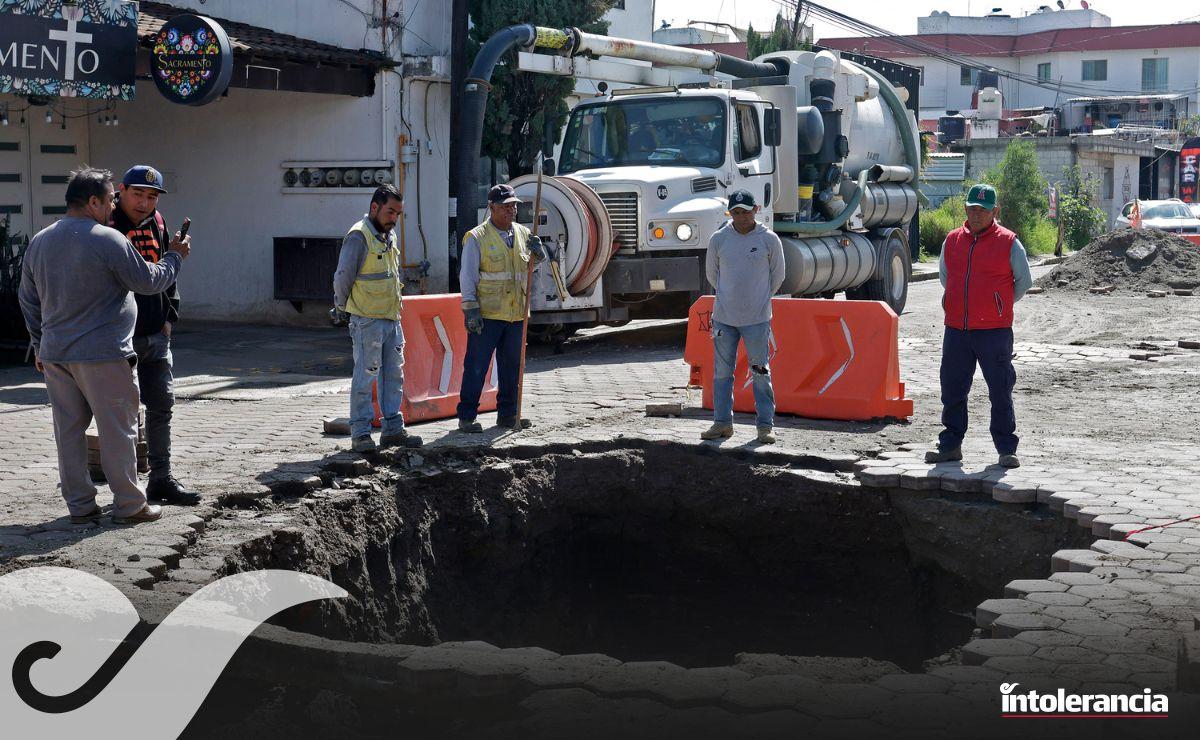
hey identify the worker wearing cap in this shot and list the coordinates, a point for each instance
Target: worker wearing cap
(745, 267)
(493, 278)
(984, 272)
(137, 217)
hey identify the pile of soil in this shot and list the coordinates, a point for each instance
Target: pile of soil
(1129, 260)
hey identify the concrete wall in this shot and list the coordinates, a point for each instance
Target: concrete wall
(983, 26)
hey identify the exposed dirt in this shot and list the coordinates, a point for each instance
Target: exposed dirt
(1136, 260)
(610, 553)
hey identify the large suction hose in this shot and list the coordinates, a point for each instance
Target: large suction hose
(809, 228)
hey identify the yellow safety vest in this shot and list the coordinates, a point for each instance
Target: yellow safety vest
(376, 291)
(503, 272)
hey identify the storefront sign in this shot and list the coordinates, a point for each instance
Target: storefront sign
(1189, 171)
(192, 60)
(74, 50)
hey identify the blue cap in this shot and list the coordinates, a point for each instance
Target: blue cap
(143, 176)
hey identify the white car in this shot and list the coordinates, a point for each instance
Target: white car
(1166, 215)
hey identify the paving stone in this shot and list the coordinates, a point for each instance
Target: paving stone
(977, 652)
(1093, 628)
(1057, 598)
(988, 611)
(1020, 588)
(1010, 625)
(772, 692)
(642, 678)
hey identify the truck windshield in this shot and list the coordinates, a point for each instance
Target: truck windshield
(680, 131)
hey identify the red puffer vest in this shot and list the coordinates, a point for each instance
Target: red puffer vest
(979, 278)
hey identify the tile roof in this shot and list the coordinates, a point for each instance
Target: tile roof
(262, 42)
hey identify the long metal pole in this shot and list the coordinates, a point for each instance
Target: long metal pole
(537, 209)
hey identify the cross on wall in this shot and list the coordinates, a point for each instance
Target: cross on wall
(72, 36)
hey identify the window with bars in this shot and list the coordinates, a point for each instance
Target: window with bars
(1094, 70)
(1155, 73)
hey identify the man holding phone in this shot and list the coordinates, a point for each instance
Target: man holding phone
(137, 217)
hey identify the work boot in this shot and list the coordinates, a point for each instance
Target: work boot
(1009, 461)
(718, 430)
(170, 491)
(470, 427)
(88, 518)
(148, 513)
(766, 436)
(399, 439)
(363, 444)
(940, 455)
(511, 422)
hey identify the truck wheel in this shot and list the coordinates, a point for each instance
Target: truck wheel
(892, 287)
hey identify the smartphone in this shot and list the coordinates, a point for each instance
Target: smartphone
(187, 222)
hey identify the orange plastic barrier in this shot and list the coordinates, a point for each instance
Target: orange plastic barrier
(435, 342)
(835, 359)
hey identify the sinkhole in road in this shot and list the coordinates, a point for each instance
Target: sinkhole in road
(660, 552)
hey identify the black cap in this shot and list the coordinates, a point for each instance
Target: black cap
(503, 194)
(741, 199)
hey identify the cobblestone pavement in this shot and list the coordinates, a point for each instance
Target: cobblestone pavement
(1108, 440)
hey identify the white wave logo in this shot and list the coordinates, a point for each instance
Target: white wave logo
(60, 630)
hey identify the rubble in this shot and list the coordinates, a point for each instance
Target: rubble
(1130, 260)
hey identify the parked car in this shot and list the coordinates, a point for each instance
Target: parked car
(1166, 215)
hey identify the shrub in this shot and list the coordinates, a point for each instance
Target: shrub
(1021, 189)
(940, 221)
(1081, 222)
(1041, 238)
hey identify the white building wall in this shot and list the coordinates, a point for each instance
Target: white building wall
(1034, 23)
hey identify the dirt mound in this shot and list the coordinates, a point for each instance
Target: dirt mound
(1129, 260)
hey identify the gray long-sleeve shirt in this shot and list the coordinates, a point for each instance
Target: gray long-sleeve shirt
(746, 270)
(1022, 278)
(75, 290)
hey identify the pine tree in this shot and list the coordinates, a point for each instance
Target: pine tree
(779, 39)
(520, 102)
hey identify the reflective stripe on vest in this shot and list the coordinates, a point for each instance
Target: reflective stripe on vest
(376, 290)
(503, 272)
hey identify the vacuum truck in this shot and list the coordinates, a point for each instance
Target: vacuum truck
(643, 174)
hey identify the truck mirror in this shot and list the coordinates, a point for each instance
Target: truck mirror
(773, 125)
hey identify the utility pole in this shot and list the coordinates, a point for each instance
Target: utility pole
(796, 23)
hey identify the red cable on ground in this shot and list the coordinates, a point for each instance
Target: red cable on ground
(1158, 526)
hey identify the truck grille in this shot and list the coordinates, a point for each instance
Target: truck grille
(623, 212)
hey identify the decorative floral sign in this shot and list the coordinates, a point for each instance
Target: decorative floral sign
(192, 60)
(85, 49)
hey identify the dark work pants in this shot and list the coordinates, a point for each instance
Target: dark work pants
(992, 350)
(503, 338)
(157, 387)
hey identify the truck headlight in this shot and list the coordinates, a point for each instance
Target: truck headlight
(683, 232)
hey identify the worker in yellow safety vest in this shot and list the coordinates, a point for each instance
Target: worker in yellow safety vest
(367, 286)
(493, 278)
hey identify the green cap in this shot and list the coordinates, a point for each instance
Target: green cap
(983, 196)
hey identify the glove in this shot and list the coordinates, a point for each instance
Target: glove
(473, 318)
(338, 317)
(542, 251)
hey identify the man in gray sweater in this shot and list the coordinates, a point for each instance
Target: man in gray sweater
(745, 266)
(75, 294)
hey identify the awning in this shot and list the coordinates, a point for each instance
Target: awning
(268, 60)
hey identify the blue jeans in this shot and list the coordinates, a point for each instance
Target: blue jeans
(157, 387)
(992, 349)
(757, 338)
(378, 357)
(504, 339)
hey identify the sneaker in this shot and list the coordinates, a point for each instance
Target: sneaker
(766, 436)
(170, 491)
(1009, 461)
(470, 427)
(939, 456)
(399, 439)
(363, 444)
(511, 422)
(718, 430)
(148, 513)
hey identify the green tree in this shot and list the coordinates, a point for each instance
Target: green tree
(1081, 221)
(520, 102)
(779, 39)
(1021, 189)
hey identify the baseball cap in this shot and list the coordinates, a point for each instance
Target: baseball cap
(983, 196)
(741, 199)
(503, 194)
(143, 176)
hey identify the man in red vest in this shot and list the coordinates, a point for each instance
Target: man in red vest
(984, 271)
